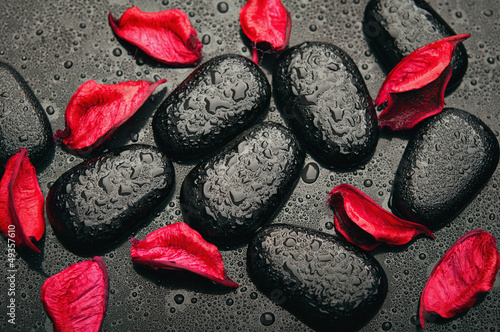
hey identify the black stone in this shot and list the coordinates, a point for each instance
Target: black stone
(227, 197)
(23, 122)
(322, 94)
(325, 281)
(218, 101)
(449, 158)
(395, 28)
(98, 202)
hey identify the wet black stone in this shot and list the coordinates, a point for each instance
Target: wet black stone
(449, 158)
(23, 122)
(325, 281)
(395, 28)
(227, 197)
(219, 100)
(322, 94)
(98, 202)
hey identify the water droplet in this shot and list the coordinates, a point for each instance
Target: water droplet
(488, 13)
(165, 2)
(368, 183)
(68, 64)
(329, 225)
(313, 27)
(310, 173)
(83, 25)
(205, 39)
(386, 326)
(50, 110)
(39, 32)
(119, 73)
(229, 302)
(491, 60)
(222, 7)
(134, 137)
(422, 256)
(267, 318)
(179, 298)
(492, 216)
(117, 52)
(253, 295)
(57, 77)
(23, 138)
(458, 14)
(473, 82)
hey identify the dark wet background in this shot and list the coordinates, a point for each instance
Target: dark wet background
(58, 45)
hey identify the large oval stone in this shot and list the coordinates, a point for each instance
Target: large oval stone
(99, 201)
(449, 158)
(322, 94)
(325, 281)
(227, 197)
(395, 28)
(215, 103)
(23, 122)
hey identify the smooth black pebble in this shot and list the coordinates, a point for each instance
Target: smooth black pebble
(98, 202)
(227, 197)
(449, 158)
(23, 122)
(325, 281)
(218, 101)
(395, 28)
(322, 94)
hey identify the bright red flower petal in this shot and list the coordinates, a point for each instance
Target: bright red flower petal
(77, 297)
(466, 270)
(414, 89)
(166, 36)
(21, 202)
(267, 24)
(96, 110)
(365, 223)
(179, 247)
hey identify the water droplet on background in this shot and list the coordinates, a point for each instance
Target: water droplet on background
(310, 173)
(267, 318)
(222, 7)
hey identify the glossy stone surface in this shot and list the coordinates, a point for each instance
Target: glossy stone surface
(227, 197)
(395, 28)
(99, 201)
(328, 283)
(219, 100)
(23, 122)
(449, 158)
(324, 97)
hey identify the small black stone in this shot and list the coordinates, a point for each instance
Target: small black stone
(219, 100)
(395, 28)
(323, 96)
(227, 197)
(325, 281)
(449, 158)
(23, 122)
(98, 202)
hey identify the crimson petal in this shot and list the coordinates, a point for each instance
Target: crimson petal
(21, 202)
(179, 247)
(414, 89)
(267, 24)
(166, 36)
(366, 224)
(96, 110)
(76, 298)
(466, 270)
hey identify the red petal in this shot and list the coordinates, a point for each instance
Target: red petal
(76, 298)
(21, 202)
(414, 89)
(166, 36)
(267, 24)
(366, 224)
(466, 270)
(178, 246)
(96, 110)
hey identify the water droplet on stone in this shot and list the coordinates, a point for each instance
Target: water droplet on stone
(368, 183)
(267, 318)
(229, 302)
(179, 298)
(117, 52)
(313, 27)
(310, 173)
(422, 256)
(50, 110)
(329, 225)
(39, 32)
(165, 2)
(386, 326)
(205, 39)
(222, 7)
(488, 13)
(68, 64)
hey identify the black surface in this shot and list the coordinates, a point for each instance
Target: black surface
(58, 45)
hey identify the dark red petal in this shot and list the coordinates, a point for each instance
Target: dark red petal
(77, 297)
(96, 110)
(267, 24)
(366, 224)
(414, 89)
(166, 36)
(466, 270)
(178, 246)
(21, 202)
